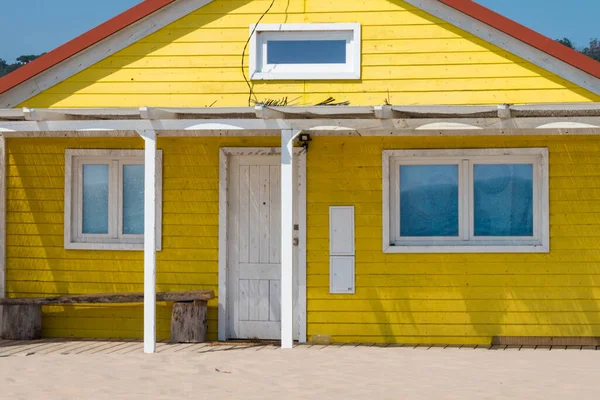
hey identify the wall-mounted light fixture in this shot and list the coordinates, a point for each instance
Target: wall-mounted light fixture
(304, 139)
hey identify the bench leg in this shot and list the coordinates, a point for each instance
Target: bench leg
(189, 322)
(23, 322)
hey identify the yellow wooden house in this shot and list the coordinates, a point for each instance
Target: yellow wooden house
(391, 171)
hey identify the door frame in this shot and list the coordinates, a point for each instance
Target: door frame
(300, 309)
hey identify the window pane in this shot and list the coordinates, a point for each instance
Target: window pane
(503, 200)
(133, 199)
(429, 200)
(95, 199)
(306, 52)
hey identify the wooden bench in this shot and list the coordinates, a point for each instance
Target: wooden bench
(22, 318)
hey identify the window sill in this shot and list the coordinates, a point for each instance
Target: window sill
(304, 76)
(467, 249)
(108, 246)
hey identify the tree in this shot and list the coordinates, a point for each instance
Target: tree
(567, 42)
(592, 51)
(6, 68)
(27, 59)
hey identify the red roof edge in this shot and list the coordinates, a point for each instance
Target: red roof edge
(81, 43)
(526, 35)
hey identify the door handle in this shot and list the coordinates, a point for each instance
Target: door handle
(296, 241)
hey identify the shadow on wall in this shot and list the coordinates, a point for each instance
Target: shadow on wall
(455, 298)
(38, 264)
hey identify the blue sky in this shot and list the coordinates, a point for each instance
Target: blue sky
(36, 26)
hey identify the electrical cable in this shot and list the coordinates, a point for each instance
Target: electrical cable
(250, 86)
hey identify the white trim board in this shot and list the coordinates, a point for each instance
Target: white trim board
(2, 223)
(340, 126)
(509, 43)
(98, 52)
(224, 154)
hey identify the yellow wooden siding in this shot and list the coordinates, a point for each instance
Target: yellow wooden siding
(424, 298)
(454, 298)
(409, 57)
(38, 264)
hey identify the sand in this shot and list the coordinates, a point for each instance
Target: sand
(226, 372)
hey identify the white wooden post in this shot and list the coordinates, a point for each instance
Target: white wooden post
(2, 222)
(150, 171)
(287, 232)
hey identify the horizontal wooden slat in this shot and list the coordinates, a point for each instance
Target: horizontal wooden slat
(464, 305)
(205, 100)
(112, 298)
(408, 317)
(546, 341)
(386, 329)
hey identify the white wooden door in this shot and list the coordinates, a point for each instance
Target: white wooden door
(254, 247)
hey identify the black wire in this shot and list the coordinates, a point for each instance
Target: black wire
(250, 87)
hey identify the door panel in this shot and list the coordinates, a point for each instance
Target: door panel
(254, 248)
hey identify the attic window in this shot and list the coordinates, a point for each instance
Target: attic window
(305, 51)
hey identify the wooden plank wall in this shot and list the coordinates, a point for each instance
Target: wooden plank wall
(38, 265)
(454, 298)
(409, 57)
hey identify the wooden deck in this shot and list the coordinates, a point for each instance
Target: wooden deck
(119, 346)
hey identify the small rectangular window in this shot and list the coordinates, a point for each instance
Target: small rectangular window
(429, 200)
(133, 200)
(104, 199)
(488, 200)
(95, 199)
(305, 51)
(503, 200)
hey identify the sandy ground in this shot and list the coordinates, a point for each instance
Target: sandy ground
(226, 372)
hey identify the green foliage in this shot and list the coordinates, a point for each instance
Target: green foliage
(26, 59)
(6, 68)
(567, 42)
(592, 51)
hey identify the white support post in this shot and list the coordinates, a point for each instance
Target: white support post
(150, 172)
(287, 232)
(2, 222)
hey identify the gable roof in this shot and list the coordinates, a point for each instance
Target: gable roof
(82, 42)
(469, 8)
(526, 35)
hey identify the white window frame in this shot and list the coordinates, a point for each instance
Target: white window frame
(75, 239)
(261, 70)
(466, 242)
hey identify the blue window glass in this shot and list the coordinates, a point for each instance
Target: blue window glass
(503, 196)
(133, 199)
(428, 200)
(306, 52)
(95, 199)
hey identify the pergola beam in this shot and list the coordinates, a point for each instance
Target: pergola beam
(332, 124)
(30, 114)
(157, 113)
(309, 112)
